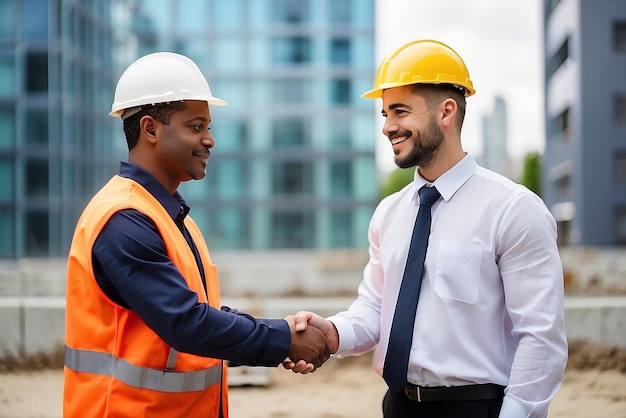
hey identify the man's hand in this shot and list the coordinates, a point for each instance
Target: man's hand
(308, 345)
(301, 322)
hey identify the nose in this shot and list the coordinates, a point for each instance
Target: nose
(389, 126)
(208, 140)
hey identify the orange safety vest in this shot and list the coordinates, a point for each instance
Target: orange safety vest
(115, 365)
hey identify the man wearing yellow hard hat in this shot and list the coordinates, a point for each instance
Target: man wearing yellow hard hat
(462, 297)
(145, 333)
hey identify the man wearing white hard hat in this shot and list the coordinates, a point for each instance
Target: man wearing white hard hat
(145, 332)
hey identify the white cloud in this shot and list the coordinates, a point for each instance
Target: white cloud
(501, 44)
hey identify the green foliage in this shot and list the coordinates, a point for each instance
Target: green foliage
(398, 178)
(531, 173)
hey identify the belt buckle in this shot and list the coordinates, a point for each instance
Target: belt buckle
(413, 393)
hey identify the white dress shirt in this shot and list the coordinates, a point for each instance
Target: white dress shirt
(491, 303)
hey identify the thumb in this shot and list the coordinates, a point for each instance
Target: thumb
(302, 319)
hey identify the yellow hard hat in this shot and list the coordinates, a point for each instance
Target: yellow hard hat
(421, 62)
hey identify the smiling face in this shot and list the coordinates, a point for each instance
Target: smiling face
(411, 127)
(179, 150)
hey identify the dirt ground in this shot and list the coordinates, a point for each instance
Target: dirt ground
(594, 385)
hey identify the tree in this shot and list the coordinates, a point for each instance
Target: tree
(398, 178)
(531, 173)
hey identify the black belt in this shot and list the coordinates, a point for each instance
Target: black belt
(453, 393)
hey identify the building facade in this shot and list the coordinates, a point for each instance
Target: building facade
(495, 156)
(584, 167)
(293, 164)
(56, 78)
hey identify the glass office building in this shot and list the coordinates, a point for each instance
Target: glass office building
(294, 164)
(56, 145)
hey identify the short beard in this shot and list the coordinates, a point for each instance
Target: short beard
(426, 145)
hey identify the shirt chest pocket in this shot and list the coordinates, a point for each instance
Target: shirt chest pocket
(458, 271)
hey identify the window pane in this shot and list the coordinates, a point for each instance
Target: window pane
(340, 134)
(292, 178)
(37, 72)
(7, 78)
(292, 230)
(6, 20)
(291, 91)
(620, 168)
(620, 110)
(228, 55)
(229, 181)
(619, 36)
(290, 133)
(228, 14)
(340, 179)
(340, 51)
(290, 11)
(192, 15)
(6, 180)
(34, 19)
(37, 233)
(339, 11)
(37, 178)
(620, 223)
(294, 50)
(7, 129)
(7, 241)
(341, 229)
(340, 91)
(36, 126)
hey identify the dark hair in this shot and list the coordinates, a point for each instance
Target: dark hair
(160, 111)
(436, 93)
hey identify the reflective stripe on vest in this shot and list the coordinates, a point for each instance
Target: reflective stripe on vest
(105, 364)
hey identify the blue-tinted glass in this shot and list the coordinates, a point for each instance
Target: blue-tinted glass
(231, 228)
(37, 72)
(228, 55)
(340, 51)
(292, 50)
(290, 133)
(340, 133)
(228, 14)
(36, 126)
(7, 236)
(293, 230)
(7, 180)
(37, 178)
(340, 179)
(292, 178)
(229, 135)
(292, 12)
(340, 91)
(37, 233)
(341, 229)
(340, 11)
(34, 19)
(7, 129)
(291, 91)
(6, 19)
(195, 189)
(192, 15)
(7, 77)
(229, 180)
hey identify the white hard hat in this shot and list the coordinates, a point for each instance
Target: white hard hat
(160, 78)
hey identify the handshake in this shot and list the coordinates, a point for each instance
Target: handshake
(313, 340)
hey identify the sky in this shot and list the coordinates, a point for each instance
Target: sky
(501, 44)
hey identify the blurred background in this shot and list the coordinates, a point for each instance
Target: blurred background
(300, 163)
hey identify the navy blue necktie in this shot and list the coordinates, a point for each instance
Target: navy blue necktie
(401, 336)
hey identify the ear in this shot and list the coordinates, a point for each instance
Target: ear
(148, 127)
(447, 112)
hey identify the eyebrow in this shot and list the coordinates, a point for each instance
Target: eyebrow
(200, 118)
(397, 105)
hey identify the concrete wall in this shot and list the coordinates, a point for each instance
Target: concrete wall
(278, 283)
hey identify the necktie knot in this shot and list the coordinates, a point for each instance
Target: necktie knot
(428, 195)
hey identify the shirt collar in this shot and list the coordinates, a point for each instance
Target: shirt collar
(449, 182)
(175, 204)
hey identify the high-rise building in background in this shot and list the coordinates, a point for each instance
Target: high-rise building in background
(293, 164)
(56, 148)
(494, 155)
(584, 167)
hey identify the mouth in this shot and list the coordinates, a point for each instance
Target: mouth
(398, 139)
(203, 155)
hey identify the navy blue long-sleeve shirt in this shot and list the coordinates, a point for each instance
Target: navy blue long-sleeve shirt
(132, 268)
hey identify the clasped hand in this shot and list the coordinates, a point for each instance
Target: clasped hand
(313, 340)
